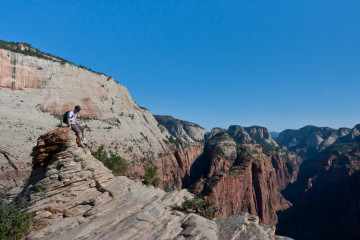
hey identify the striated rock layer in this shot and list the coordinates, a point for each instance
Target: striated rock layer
(241, 177)
(35, 91)
(75, 197)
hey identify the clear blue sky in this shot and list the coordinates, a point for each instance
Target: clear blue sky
(279, 64)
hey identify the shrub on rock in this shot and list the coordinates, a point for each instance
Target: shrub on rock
(14, 220)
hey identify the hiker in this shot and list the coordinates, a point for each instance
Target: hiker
(75, 126)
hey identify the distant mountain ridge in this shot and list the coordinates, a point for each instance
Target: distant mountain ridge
(239, 168)
(326, 193)
(184, 130)
(274, 135)
(310, 140)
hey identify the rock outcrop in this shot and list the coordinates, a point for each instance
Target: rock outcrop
(240, 134)
(260, 135)
(186, 131)
(252, 134)
(74, 196)
(213, 132)
(35, 92)
(239, 177)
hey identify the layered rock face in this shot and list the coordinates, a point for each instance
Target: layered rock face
(75, 197)
(186, 131)
(238, 176)
(178, 165)
(310, 140)
(34, 91)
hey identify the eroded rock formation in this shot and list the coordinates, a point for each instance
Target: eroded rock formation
(238, 176)
(75, 197)
(35, 92)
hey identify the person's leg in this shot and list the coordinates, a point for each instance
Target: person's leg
(84, 141)
(78, 131)
(80, 137)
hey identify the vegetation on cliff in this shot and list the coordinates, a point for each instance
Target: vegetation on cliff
(112, 161)
(199, 205)
(14, 220)
(27, 49)
(150, 176)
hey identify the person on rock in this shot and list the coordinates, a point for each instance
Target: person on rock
(76, 127)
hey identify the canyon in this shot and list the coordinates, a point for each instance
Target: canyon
(239, 169)
(73, 196)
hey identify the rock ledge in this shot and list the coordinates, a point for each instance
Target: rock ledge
(75, 197)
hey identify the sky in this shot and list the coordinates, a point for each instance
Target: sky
(278, 64)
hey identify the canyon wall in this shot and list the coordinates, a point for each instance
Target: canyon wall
(73, 196)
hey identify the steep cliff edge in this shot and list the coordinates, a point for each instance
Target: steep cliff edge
(238, 176)
(75, 197)
(260, 135)
(35, 91)
(326, 194)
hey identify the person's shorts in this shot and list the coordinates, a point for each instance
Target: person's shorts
(76, 128)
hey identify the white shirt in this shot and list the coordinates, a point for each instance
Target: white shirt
(72, 117)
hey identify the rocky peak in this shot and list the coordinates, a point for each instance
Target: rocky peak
(74, 196)
(310, 139)
(186, 131)
(239, 134)
(260, 135)
(349, 135)
(213, 132)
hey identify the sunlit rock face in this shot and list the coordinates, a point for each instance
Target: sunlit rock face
(35, 92)
(238, 175)
(186, 131)
(310, 140)
(73, 196)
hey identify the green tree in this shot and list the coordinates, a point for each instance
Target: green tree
(114, 162)
(150, 176)
(199, 205)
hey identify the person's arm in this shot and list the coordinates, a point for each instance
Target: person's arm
(68, 122)
(76, 121)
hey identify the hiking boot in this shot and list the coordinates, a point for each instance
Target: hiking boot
(84, 141)
(81, 145)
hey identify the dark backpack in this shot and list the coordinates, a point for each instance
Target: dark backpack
(65, 117)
